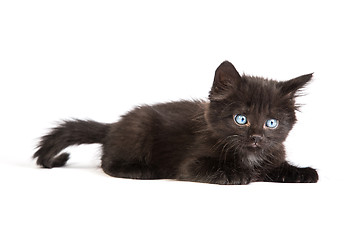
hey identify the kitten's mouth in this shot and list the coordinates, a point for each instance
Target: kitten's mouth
(254, 145)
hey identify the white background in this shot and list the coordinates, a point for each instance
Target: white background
(98, 59)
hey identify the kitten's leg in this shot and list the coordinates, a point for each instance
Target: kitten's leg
(127, 149)
(133, 170)
(121, 158)
(207, 170)
(290, 174)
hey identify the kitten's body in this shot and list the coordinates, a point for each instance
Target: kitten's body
(196, 140)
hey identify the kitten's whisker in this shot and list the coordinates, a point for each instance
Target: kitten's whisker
(222, 140)
(227, 144)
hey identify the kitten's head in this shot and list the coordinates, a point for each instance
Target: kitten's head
(252, 113)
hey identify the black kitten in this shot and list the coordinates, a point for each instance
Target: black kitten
(234, 138)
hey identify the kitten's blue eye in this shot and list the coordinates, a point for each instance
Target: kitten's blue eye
(240, 119)
(272, 123)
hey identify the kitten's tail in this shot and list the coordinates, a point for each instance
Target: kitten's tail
(68, 133)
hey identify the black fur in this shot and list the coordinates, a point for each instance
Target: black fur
(66, 134)
(196, 140)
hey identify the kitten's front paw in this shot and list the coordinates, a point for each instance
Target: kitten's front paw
(223, 178)
(309, 175)
(241, 179)
(291, 174)
(301, 175)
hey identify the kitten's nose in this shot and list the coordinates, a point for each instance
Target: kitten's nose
(256, 138)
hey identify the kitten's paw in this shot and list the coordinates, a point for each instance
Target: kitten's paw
(308, 175)
(241, 179)
(223, 178)
(291, 174)
(244, 180)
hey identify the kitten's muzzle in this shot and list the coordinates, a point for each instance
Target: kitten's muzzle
(256, 140)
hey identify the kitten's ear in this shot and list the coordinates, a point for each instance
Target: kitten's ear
(224, 81)
(293, 86)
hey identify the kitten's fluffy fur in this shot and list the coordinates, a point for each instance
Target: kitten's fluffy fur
(196, 140)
